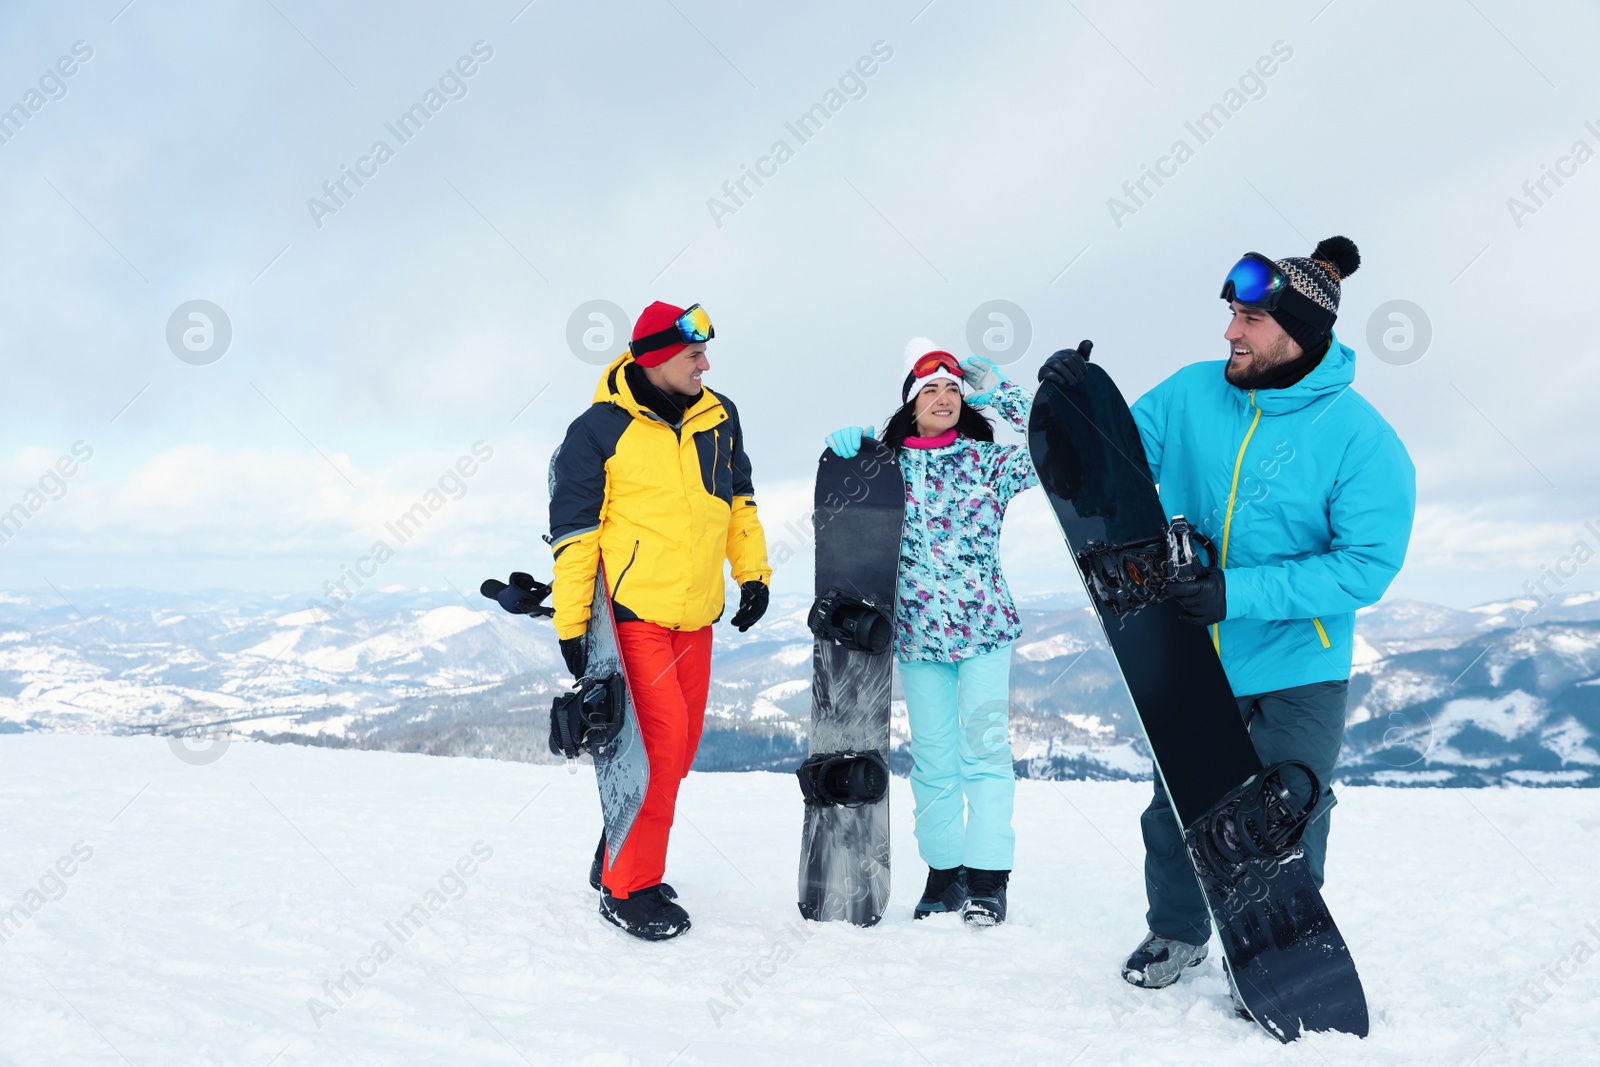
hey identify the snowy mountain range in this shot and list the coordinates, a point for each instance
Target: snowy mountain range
(1504, 692)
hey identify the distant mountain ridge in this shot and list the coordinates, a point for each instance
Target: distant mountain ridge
(1506, 692)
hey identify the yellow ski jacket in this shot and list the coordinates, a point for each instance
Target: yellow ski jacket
(662, 507)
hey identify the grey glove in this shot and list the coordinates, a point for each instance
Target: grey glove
(983, 378)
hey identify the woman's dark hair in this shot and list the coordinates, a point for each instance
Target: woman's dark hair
(903, 424)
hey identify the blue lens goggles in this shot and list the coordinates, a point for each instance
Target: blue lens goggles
(1255, 281)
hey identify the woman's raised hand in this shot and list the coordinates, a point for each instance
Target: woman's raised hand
(983, 378)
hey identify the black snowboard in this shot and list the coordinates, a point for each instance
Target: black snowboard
(1285, 956)
(844, 850)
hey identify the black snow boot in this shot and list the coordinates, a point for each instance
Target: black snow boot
(946, 892)
(648, 914)
(986, 897)
(595, 867)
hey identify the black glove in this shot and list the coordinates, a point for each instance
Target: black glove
(1202, 601)
(1065, 368)
(575, 652)
(752, 605)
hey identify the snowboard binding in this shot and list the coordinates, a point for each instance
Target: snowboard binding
(1260, 820)
(852, 621)
(1128, 576)
(588, 718)
(843, 779)
(523, 595)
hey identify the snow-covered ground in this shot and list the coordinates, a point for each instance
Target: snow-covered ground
(174, 911)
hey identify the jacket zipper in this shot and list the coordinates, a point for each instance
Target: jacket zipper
(1227, 522)
(927, 540)
(625, 571)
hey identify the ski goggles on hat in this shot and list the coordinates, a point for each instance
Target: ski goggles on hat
(932, 361)
(1255, 281)
(692, 327)
(928, 365)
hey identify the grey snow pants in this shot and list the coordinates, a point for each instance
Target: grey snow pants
(1305, 722)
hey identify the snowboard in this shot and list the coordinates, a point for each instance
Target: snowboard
(621, 765)
(1284, 955)
(844, 846)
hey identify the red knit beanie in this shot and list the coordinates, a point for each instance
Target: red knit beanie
(654, 319)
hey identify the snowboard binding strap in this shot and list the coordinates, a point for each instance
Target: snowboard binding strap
(843, 779)
(852, 621)
(589, 717)
(1260, 820)
(1128, 576)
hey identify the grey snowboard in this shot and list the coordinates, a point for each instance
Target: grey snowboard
(622, 767)
(844, 851)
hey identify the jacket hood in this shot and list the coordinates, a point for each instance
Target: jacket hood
(613, 388)
(1335, 374)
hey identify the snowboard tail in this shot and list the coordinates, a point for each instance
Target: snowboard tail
(1278, 937)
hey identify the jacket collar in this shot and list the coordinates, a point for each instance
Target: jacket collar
(1333, 375)
(613, 389)
(942, 440)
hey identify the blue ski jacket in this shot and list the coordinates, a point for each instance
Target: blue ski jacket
(1307, 493)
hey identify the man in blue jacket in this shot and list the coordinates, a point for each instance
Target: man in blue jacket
(1308, 495)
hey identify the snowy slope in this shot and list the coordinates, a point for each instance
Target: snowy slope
(209, 903)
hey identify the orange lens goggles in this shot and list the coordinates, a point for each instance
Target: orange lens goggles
(932, 361)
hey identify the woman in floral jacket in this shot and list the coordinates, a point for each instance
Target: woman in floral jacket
(956, 622)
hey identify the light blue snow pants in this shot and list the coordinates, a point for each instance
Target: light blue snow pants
(961, 759)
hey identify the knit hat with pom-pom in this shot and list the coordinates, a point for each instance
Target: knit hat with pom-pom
(1308, 308)
(927, 362)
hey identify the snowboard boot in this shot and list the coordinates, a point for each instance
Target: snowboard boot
(648, 914)
(946, 892)
(595, 867)
(1159, 961)
(1239, 1010)
(986, 897)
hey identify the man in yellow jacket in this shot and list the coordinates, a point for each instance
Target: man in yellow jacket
(652, 482)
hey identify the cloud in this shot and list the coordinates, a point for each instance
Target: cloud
(426, 314)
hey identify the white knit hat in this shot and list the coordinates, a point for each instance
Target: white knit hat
(916, 348)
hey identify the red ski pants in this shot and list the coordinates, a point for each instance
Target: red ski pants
(669, 674)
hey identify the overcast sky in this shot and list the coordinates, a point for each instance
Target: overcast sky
(570, 153)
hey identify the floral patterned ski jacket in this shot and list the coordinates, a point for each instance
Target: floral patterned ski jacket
(953, 600)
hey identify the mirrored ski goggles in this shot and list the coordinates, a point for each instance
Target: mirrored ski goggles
(932, 361)
(1255, 281)
(692, 327)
